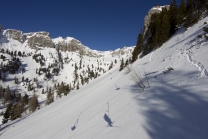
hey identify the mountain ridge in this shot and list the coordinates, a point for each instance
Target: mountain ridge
(43, 39)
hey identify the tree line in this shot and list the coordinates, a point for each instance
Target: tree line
(164, 24)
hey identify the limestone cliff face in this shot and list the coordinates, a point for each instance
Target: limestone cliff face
(14, 34)
(73, 45)
(39, 39)
(122, 51)
(34, 39)
(147, 19)
(67, 44)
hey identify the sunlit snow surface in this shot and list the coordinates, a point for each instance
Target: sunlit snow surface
(175, 105)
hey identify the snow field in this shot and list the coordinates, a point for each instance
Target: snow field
(175, 105)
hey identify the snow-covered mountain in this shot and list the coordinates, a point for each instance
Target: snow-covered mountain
(174, 106)
(39, 40)
(61, 57)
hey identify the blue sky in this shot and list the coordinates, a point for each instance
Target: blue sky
(101, 25)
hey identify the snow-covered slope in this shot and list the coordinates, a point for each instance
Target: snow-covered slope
(175, 105)
(10, 41)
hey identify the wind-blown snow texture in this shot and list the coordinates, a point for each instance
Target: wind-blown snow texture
(175, 105)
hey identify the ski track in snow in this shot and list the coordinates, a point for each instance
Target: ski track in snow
(198, 65)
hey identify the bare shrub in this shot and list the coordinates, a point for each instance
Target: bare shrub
(140, 79)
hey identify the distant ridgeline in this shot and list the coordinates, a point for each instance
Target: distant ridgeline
(162, 22)
(40, 40)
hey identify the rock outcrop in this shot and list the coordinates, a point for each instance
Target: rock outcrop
(39, 39)
(14, 34)
(147, 19)
(73, 45)
(122, 51)
(67, 44)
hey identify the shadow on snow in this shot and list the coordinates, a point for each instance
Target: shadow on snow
(175, 110)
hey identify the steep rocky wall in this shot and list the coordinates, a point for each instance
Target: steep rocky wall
(39, 39)
(71, 45)
(121, 52)
(14, 34)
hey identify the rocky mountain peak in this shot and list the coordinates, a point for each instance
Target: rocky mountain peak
(39, 39)
(14, 34)
(122, 51)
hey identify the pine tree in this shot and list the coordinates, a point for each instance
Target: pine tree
(173, 13)
(80, 64)
(82, 80)
(4, 78)
(23, 79)
(155, 34)
(92, 75)
(47, 89)
(78, 85)
(181, 12)
(155, 41)
(15, 80)
(7, 113)
(70, 87)
(139, 47)
(33, 103)
(60, 90)
(49, 98)
(205, 29)
(189, 13)
(1, 92)
(25, 99)
(127, 62)
(67, 90)
(158, 35)
(122, 65)
(202, 6)
(146, 50)
(7, 96)
(165, 28)
(17, 110)
(135, 54)
(111, 66)
(14, 111)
